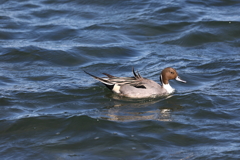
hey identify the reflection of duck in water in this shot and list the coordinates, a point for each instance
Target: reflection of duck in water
(159, 115)
(138, 87)
(160, 109)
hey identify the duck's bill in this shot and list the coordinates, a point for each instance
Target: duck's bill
(180, 80)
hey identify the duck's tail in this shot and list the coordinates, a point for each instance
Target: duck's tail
(104, 81)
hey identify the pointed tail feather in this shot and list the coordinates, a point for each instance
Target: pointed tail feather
(109, 75)
(106, 82)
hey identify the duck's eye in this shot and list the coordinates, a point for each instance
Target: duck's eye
(171, 72)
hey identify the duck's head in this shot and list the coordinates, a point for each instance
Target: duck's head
(168, 74)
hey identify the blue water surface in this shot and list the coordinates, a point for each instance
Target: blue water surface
(51, 109)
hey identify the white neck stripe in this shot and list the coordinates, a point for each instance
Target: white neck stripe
(168, 88)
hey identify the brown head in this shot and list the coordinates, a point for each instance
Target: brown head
(168, 74)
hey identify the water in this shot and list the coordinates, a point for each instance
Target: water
(50, 109)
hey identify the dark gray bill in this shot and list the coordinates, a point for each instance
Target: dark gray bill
(180, 80)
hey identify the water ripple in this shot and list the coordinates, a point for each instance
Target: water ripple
(51, 109)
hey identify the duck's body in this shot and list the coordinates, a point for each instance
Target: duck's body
(138, 87)
(142, 89)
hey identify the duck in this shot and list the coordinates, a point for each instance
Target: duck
(139, 87)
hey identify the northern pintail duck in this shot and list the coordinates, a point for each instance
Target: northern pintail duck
(139, 87)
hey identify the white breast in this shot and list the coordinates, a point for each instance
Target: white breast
(168, 88)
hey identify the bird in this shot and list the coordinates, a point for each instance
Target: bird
(139, 87)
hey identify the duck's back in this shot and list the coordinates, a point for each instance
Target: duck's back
(147, 88)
